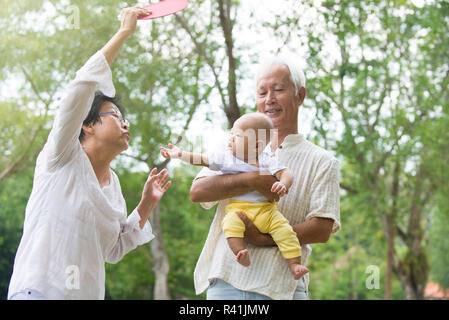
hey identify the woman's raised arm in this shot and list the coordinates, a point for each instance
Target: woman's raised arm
(128, 18)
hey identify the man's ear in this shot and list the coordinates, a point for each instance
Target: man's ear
(301, 95)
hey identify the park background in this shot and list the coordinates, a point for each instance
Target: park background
(377, 98)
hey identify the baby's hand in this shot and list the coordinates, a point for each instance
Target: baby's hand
(173, 152)
(279, 188)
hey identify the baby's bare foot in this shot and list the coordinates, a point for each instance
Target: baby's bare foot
(243, 258)
(298, 271)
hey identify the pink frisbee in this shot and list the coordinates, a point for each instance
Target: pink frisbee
(164, 8)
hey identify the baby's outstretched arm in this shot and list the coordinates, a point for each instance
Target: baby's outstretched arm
(285, 182)
(197, 159)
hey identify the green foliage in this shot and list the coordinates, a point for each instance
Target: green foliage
(439, 244)
(338, 268)
(14, 194)
(377, 82)
(185, 226)
(380, 85)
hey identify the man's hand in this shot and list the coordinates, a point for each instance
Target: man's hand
(253, 235)
(263, 184)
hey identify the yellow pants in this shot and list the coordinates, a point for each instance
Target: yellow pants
(268, 219)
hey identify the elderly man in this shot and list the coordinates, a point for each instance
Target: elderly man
(311, 206)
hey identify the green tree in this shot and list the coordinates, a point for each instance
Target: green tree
(378, 82)
(439, 244)
(14, 193)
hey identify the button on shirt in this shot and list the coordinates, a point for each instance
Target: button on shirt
(314, 193)
(72, 226)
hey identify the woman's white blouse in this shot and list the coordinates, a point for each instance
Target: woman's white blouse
(72, 226)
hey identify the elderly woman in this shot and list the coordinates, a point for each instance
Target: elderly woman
(76, 217)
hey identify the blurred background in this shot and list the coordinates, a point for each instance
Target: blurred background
(377, 98)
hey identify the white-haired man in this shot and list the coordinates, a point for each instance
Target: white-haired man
(311, 206)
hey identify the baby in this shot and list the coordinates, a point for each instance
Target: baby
(249, 137)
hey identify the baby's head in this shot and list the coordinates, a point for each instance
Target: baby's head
(250, 134)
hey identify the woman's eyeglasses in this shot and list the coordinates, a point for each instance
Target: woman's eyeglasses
(116, 115)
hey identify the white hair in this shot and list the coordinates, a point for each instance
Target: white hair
(296, 73)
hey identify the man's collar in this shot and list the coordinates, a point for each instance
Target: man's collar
(290, 140)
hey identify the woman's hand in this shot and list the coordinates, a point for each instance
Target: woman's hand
(156, 185)
(154, 189)
(128, 18)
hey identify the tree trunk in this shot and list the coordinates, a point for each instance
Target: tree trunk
(390, 253)
(232, 110)
(390, 227)
(161, 265)
(228, 99)
(412, 291)
(412, 272)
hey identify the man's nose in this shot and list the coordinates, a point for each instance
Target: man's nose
(270, 98)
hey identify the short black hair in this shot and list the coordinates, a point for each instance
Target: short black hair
(93, 115)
